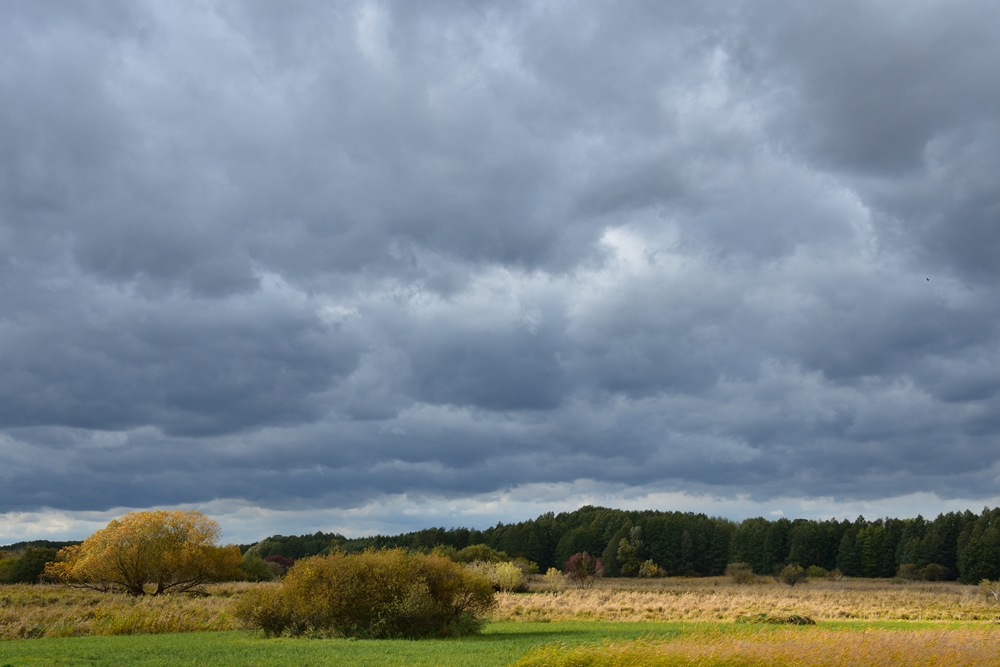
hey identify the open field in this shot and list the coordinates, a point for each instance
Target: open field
(55, 611)
(49, 611)
(785, 647)
(580, 644)
(501, 644)
(619, 622)
(715, 599)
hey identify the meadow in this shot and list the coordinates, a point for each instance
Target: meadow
(715, 599)
(618, 622)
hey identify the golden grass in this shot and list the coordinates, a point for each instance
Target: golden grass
(780, 647)
(715, 600)
(54, 611)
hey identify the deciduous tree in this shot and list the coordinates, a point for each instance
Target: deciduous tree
(582, 568)
(162, 550)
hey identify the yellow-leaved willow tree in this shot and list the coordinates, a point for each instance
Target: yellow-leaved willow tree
(149, 553)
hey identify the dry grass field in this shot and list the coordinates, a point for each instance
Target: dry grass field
(716, 599)
(55, 611)
(780, 647)
(51, 611)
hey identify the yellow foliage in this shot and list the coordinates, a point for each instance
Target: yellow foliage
(371, 594)
(503, 576)
(170, 550)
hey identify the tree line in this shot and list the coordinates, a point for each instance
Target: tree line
(954, 545)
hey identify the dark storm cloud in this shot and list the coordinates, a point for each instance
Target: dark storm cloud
(316, 254)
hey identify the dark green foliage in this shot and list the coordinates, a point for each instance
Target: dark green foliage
(934, 572)
(793, 619)
(979, 548)
(255, 569)
(480, 552)
(847, 554)
(612, 566)
(28, 567)
(21, 547)
(817, 572)
(747, 544)
(296, 547)
(685, 543)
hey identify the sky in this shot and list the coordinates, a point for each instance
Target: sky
(378, 266)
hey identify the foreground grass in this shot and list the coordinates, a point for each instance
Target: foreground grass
(571, 644)
(501, 644)
(785, 647)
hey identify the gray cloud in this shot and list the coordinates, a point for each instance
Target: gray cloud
(315, 256)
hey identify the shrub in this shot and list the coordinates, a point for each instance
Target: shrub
(582, 569)
(935, 572)
(649, 569)
(371, 594)
(554, 578)
(505, 577)
(908, 572)
(280, 560)
(991, 589)
(740, 573)
(792, 574)
(526, 566)
(265, 608)
(8, 564)
(792, 619)
(278, 565)
(480, 552)
(255, 569)
(816, 572)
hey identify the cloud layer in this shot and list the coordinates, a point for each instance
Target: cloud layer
(317, 256)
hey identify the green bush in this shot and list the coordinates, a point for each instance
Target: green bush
(7, 567)
(527, 567)
(791, 574)
(817, 572)
(255, 569)
(27, 568)
(374, 594)
(934, 572)
(480, 552)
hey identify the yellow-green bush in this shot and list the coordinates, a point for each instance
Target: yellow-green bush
(506, 577)
(372, 594)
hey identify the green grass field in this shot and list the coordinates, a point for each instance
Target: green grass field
(500, 644)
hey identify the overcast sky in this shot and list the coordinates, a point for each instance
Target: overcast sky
(376, 266)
